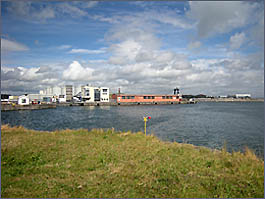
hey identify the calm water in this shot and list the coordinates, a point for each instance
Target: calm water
(207, 124)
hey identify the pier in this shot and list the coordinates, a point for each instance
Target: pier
(12, 107)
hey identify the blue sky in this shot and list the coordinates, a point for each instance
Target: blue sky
(215, 48)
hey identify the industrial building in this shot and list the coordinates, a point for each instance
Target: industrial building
(148, 98)
(243, 96)
(176, 97)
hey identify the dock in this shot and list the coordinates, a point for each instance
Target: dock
(11, 107)
(121, 103)
(15, 107)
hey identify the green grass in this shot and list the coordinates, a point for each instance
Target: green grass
(106, 164)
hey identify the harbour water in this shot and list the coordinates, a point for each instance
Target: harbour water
(209, 124)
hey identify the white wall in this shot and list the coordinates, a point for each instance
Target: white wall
(23, 100)
(104, 96)
(91, 93)
(56, 91)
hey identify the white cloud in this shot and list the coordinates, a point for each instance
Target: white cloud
(63, 47)
(89, 4)
(112, 19)
(44, 14)
(40, 12)
(220, 17)
(76, 72)
(237, 40)
(169, 17)
(257, 31)
(74, 11)
(27, 11)
(140, 62)
(87, 51)
(7, 45)
(194, 45)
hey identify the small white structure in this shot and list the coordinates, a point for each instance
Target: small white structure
(243, 96)
(36, 98)
(23, 100)
(104, 94)
(13, 99)
(62, 98)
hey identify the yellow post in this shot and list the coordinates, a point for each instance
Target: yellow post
(145, 120)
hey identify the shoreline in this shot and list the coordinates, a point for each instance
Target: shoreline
(229, 100)
(10, 107)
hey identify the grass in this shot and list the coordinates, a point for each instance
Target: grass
(107, 164)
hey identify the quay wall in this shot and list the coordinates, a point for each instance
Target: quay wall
(120, 103)
(228, 100)
(10, 107)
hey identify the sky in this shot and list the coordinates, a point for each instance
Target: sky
(143, 47)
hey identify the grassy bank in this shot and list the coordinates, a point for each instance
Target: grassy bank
(81, 163)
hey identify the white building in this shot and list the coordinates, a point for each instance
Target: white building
(104, 94)
(243, 96)
(66, 93)
(95, 94)
(36, 98)
(77, 90)
(23, 100)
(62, 98)
(87, 93)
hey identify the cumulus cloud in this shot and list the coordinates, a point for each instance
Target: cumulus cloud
(220, 17)
(8, 45)
(237, 40)
(76, 72)
(139, 62)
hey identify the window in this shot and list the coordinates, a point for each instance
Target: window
(167, 97)
(153, 97)
(87, 92)
(105, 90)
(123, 97)
(145, 97)
(163, 97)
(23, 100)
(132, 97)
(128, 97)
(170, 97)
